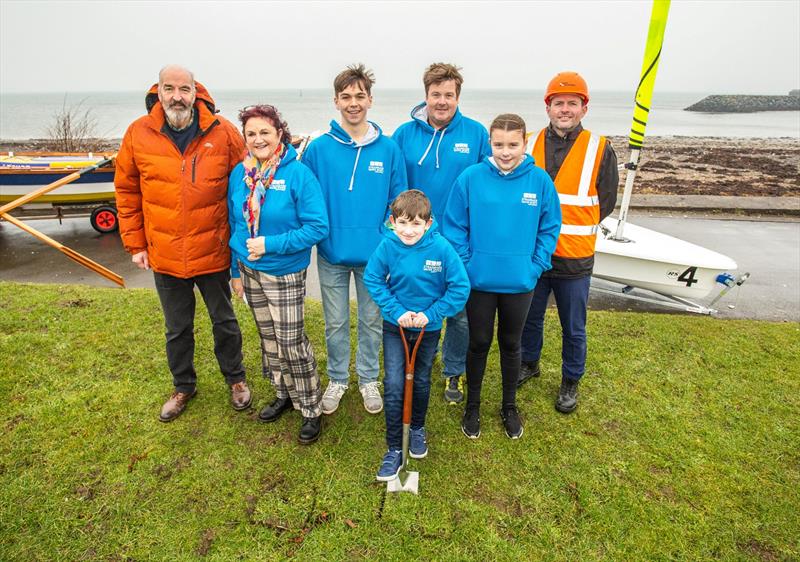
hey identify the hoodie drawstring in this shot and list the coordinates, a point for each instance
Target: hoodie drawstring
(353, 177)
(430, 144)
(438, 145)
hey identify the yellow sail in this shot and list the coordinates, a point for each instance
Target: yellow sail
(647, 80)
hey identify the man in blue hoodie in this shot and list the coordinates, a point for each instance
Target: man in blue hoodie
(361, 172)
(417, 279)
(438, 144)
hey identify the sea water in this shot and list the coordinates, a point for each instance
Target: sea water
(24, 116)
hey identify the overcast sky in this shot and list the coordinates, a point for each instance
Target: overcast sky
(710, 46)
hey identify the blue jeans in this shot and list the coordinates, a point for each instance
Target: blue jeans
(394, 369)
(571, 297)
(454, 346)
(334, 282)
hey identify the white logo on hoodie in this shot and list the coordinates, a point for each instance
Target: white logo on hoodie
(433, 266)
(278, 185)
(530, 199)
(375, 166)
(461, 147)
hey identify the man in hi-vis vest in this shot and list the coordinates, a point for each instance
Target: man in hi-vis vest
(584, 168)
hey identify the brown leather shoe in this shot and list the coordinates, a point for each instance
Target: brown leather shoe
(240, 396)
(175, 406)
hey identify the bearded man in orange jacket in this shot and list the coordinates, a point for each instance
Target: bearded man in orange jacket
(171, 188)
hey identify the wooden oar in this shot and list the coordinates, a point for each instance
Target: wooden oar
(55, 185)
(69, 252)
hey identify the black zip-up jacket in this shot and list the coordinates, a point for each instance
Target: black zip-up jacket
(556, 149)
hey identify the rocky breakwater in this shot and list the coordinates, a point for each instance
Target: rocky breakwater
(747, 104)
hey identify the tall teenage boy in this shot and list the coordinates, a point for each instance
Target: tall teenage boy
(438, 144)
(361, 172)
(584, 168)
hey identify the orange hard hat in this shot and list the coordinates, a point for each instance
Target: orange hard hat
(567, 83)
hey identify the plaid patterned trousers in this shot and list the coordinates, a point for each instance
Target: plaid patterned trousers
(278, 304)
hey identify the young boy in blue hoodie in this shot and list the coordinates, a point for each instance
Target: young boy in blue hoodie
(503, 218)
(360, 172)
(418, 280)
(438, 144)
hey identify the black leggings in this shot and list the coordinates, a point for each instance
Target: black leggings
(512, 309)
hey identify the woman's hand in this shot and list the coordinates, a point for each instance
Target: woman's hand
(256, 248)
(238, 287)
(420, 320)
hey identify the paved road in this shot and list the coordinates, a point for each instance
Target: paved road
(769, 250)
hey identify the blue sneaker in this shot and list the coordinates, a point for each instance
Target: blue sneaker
(390, 466)
(418, 443)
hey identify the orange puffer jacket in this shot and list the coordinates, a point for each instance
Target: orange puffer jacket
(175, 205)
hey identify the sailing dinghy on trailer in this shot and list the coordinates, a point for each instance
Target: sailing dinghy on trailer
(634, 257)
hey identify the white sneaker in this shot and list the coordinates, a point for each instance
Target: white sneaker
(373, 403)
(332, 397)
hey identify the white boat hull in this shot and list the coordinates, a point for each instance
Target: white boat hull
(71, 193)
(657, 262)
(22, 174)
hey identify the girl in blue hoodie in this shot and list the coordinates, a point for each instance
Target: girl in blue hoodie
(503, 218)
(276, 213)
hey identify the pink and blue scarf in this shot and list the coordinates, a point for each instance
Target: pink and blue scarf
(258, 177)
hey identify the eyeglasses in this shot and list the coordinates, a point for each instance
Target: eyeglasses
(262, 106)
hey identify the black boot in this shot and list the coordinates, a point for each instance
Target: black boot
(528, 370)
(272, 412)
(567, 396)
(310, 430)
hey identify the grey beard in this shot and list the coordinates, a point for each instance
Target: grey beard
(179, 119)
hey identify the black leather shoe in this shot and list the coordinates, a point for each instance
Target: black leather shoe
(527, 371)
(567, 399)
(272, 412)
(310, 430)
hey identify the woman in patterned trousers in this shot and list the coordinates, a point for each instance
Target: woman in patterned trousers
(277, 213)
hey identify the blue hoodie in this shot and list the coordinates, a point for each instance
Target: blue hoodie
(359, 181)
(435, 158)
(293, 218)
(504, 226)
(425, 277)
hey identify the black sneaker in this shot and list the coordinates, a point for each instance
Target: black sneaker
(527, 371)
(471, 422)
(454, 390)
(567, 399)
(511, 422)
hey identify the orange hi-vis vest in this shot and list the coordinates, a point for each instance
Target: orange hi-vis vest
(576, 184)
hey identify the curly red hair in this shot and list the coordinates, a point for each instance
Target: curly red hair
(271, 114)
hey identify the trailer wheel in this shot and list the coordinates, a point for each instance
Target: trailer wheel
(104, 219)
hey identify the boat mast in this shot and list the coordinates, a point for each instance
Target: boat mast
(641, 108)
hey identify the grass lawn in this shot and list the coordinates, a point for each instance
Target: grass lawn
(685, 446)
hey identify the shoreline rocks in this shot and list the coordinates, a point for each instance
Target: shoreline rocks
(746, 104)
